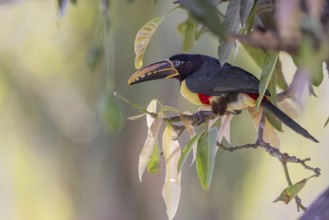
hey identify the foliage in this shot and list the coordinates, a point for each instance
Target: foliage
(300, 30)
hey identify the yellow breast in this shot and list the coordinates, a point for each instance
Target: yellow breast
(191, 96)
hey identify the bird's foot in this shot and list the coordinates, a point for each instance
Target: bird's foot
(202, 116)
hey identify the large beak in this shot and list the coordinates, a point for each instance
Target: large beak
(158, 70)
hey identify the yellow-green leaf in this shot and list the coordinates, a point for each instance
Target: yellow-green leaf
(172, 186)
(206, 156)
(269, 63)
(187, 30)
(153, 166)
(143, 38)
(290, 192)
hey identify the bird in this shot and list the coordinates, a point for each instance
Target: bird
(204, 81)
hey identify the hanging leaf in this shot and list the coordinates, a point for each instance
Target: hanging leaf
(172, 186)
(245, 9)
(206, 156)
(268, 66)
(224, 130)
(212, 122)
(191, 131)
(205, 11)
(153, 125)
(187, 149)
(153, 166)
(291, 192)
(281, 81)
(232, 23)
(269, 134)
(287, 108)
(148, 147)
(275, 122)
(143, 38)
(187, 30)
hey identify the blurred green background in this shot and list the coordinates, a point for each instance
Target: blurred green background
(58, 162)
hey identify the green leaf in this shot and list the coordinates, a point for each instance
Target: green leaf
(187, 30)
(269, 63)
(111, 114)
(276, 123)
(187, 150)
(143, 38)
(251, 17)
(290, 192)
(245, 9)
(153, 166)
(232, 23)
(281, 81)
(255, 53)
(205, 11)
(311, 60)
(325, 124)
(206, 155)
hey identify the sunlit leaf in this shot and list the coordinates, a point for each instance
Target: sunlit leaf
(172, 186)
(325, 124)
(153, 166)
(148, 147)
(135, 117)
(111, 114)
(291, 192)
(232, 23)
(152, 107)
(250, 19)
(287, 108)
(205, 11)
(224, 129)
(143, 38)
(212, 122)
(269, 134)
(206, 156)
(187, 149)
(187, 30)
(268, 66)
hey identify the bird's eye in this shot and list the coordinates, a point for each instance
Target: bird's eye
(177, 63)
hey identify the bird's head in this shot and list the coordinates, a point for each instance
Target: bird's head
(179, 66)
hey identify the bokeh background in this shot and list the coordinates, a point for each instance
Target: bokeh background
(58, 160)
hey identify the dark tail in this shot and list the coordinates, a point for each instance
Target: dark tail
(287, 120)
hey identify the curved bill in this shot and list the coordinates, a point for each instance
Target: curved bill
(158, 70)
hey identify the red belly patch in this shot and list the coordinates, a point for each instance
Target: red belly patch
(204, 99)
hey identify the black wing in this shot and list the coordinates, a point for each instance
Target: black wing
(215, 81)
